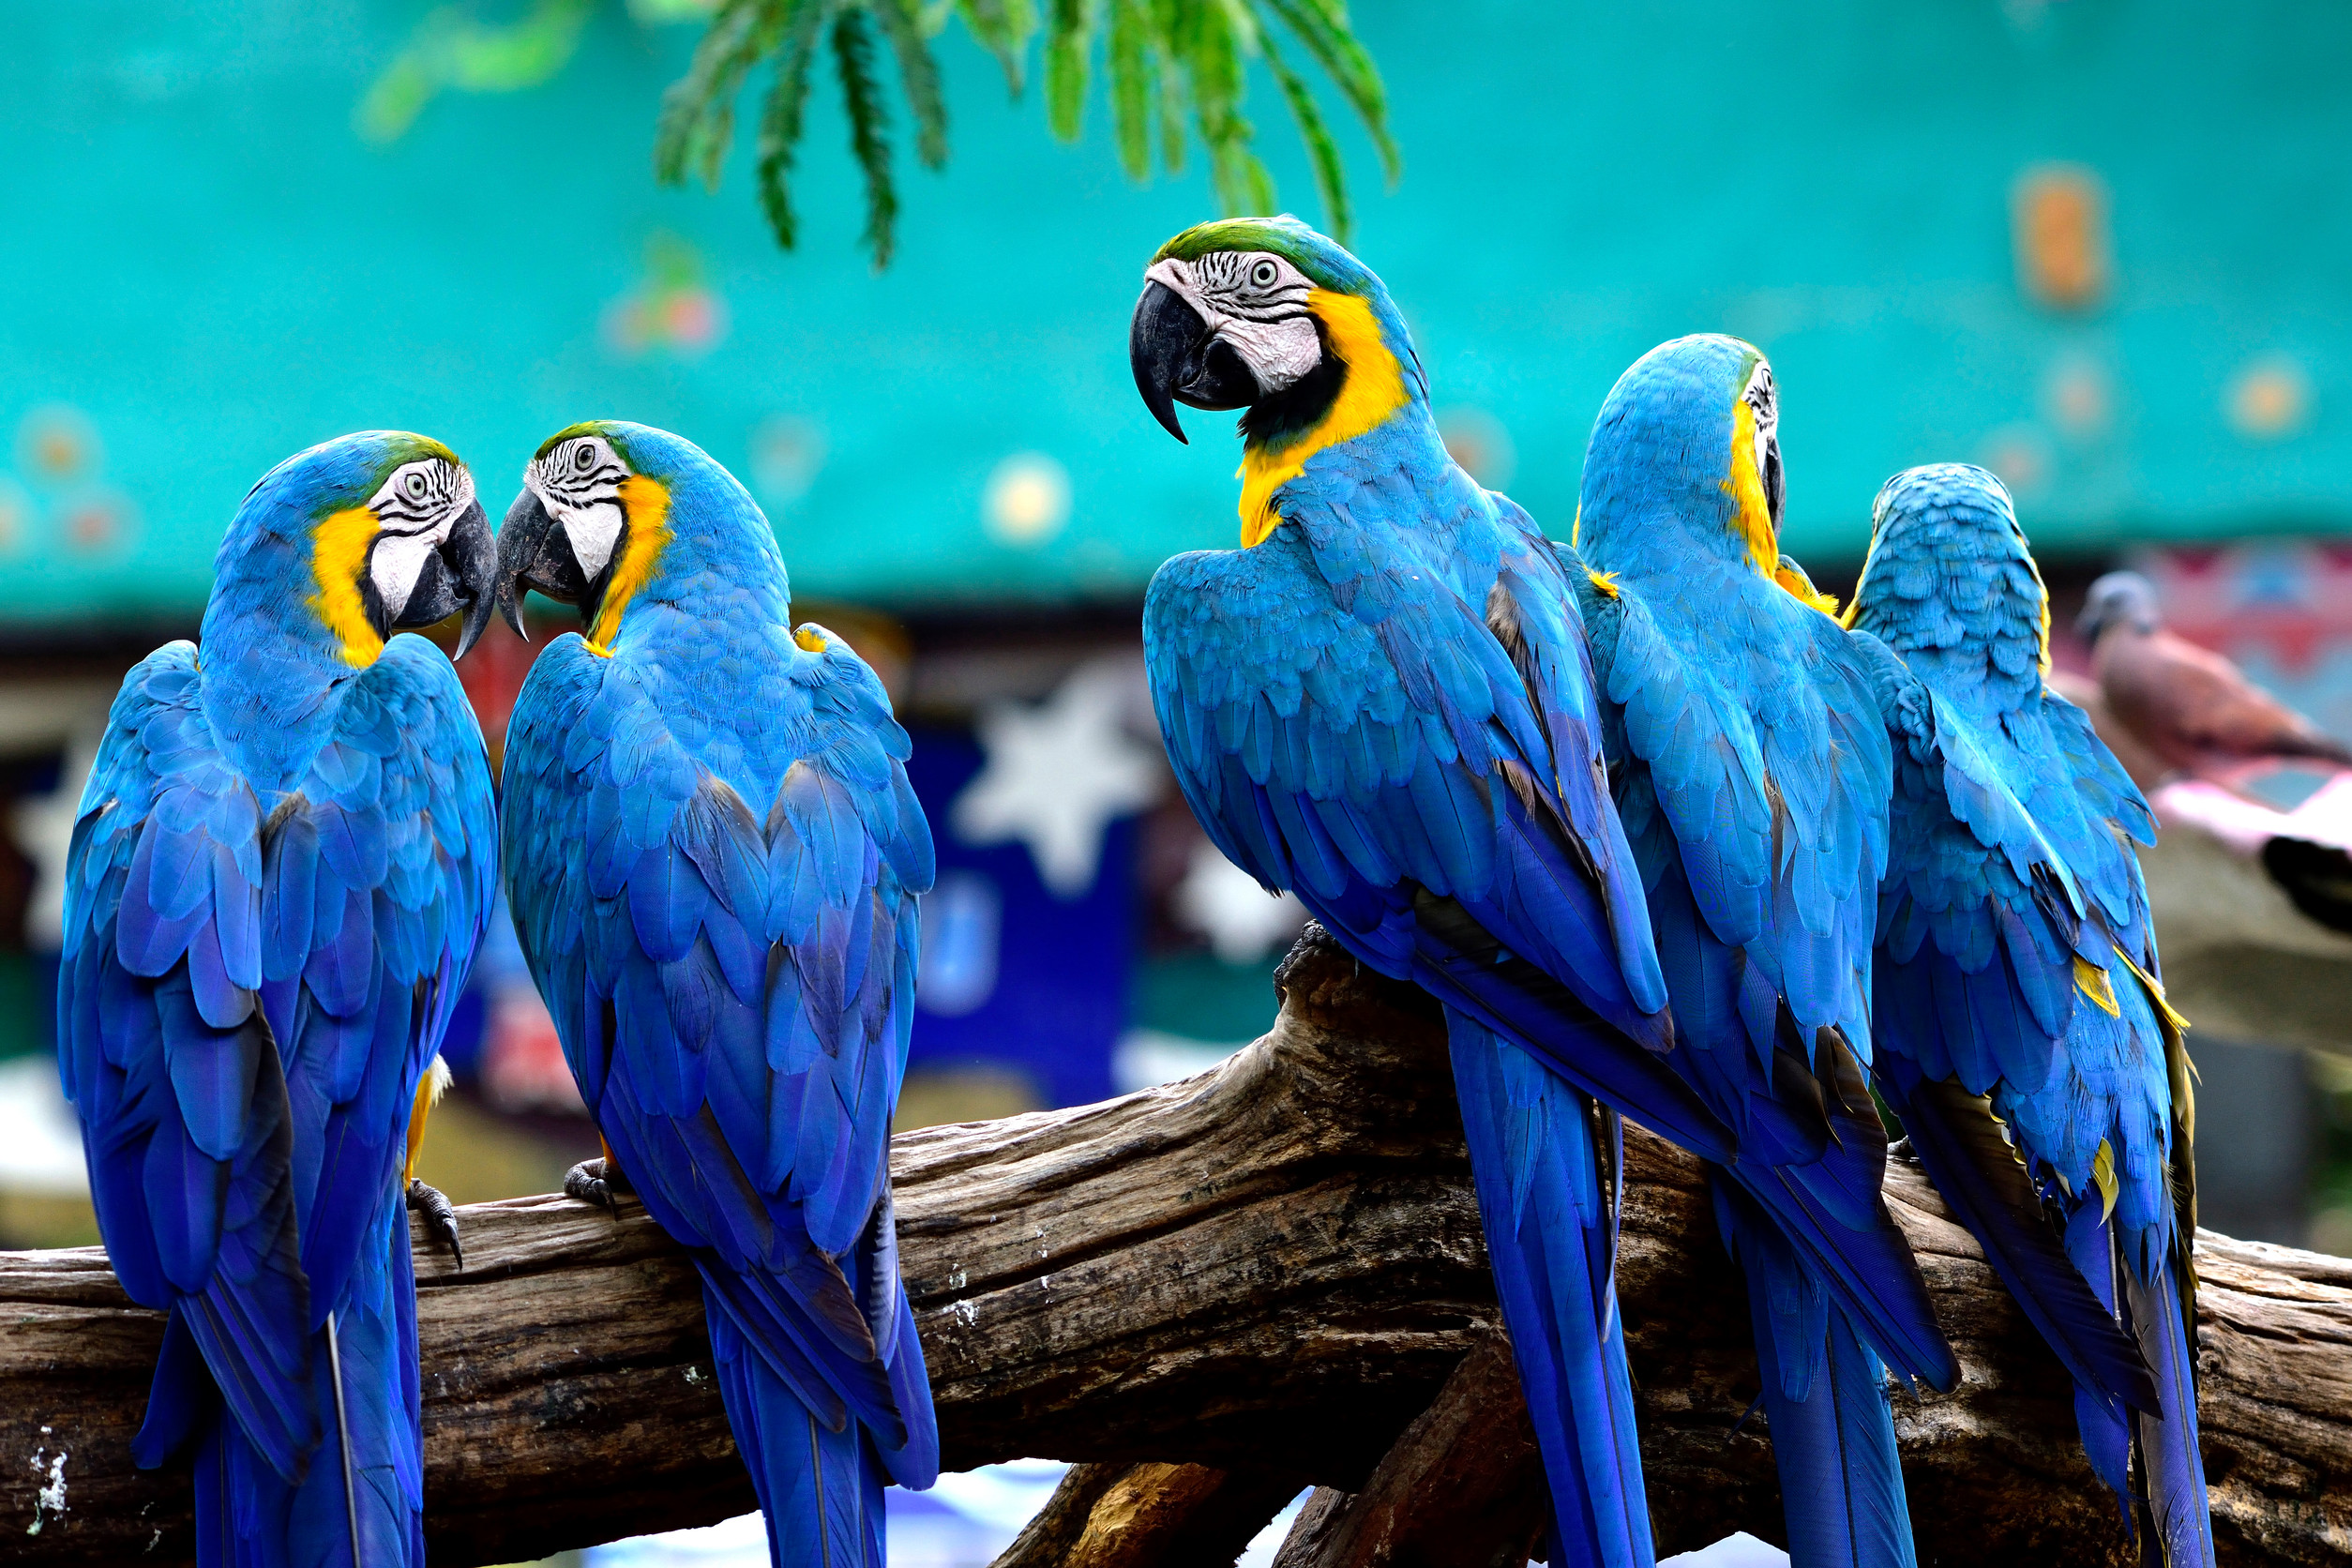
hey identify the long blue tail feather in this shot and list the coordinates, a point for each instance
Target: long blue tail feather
(1549, 1217)
(816, 1487)
(249, 1516)
(2105, 1424)
(1825, 1397)
(2169, 1456)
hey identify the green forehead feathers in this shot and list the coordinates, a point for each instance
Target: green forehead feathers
(407, 447)
(586, 427)
(1291, 240)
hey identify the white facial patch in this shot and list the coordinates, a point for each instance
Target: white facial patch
(1255, 301)
(416, 508)
(593, 530)
(395, 564)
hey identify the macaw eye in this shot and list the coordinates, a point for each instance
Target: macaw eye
(415, 486)
(584, 457)
(1263, 275)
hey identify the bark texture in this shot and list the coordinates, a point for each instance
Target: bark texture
(1149, 1515)
(1462, 1488)
(1268, 1271)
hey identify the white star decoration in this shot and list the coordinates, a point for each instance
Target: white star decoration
(1224, 903)
(1057, 774)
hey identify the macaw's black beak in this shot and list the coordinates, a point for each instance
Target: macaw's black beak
(1178, 359)
(533, 552)
(457, 576)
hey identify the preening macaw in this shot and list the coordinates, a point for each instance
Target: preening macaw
(2017, 961)
(713, 855)
(1382, 702)
(1751, 767)
(283, 863)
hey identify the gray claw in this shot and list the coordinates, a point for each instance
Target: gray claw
(440, 1218)
(589, 1182)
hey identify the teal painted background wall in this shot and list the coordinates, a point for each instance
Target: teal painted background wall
(208, 269)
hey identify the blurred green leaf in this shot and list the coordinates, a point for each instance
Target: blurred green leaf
(450, 49)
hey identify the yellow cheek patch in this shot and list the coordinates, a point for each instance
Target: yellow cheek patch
(1744, 484)
(646, 504)
(339, 553)
(2092, 981)
(1373, 388)
(1605, 583)
(808, 641)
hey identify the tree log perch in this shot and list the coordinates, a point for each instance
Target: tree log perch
(1269, 1270)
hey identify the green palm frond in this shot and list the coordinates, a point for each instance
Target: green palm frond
(1173, 71)
(779, 120)
(861, 94)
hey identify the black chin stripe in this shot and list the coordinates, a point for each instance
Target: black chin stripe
(1301, 406)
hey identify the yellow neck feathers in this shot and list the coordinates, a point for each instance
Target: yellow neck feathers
(1373, 388)
(429, 1089)
(339, 553)
(1800, 588)
(647, 504)
(1744, 484)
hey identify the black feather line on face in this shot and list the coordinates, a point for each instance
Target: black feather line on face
(370, 601)
(1300, 406)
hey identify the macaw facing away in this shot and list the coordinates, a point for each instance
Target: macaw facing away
(713, 855)
(1382, 702)
(283, 863)
(2017, 961)
(1751, 766)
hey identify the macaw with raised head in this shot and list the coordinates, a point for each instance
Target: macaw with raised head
(1752, 770)
(713, 855)
(2020, 1014)
(284, 861)
(1382, 702)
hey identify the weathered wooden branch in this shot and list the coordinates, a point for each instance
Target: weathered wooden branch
(1270, 1269)
(1463, 1487)
(1149, 1515)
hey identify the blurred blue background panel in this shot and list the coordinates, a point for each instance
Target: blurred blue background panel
(2097, 244)
(1018, 985)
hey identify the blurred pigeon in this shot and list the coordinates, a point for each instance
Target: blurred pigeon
(2190, 707)
(2169, 707)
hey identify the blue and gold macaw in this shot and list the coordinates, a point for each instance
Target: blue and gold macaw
(1751, 769)
(2020, 1016)
(283, 863)
(1382, 702)
(713, 855)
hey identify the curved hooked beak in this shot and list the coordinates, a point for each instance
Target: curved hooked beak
(534, 553)
(1776, 483)
(456, 576)
(1177, 358)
